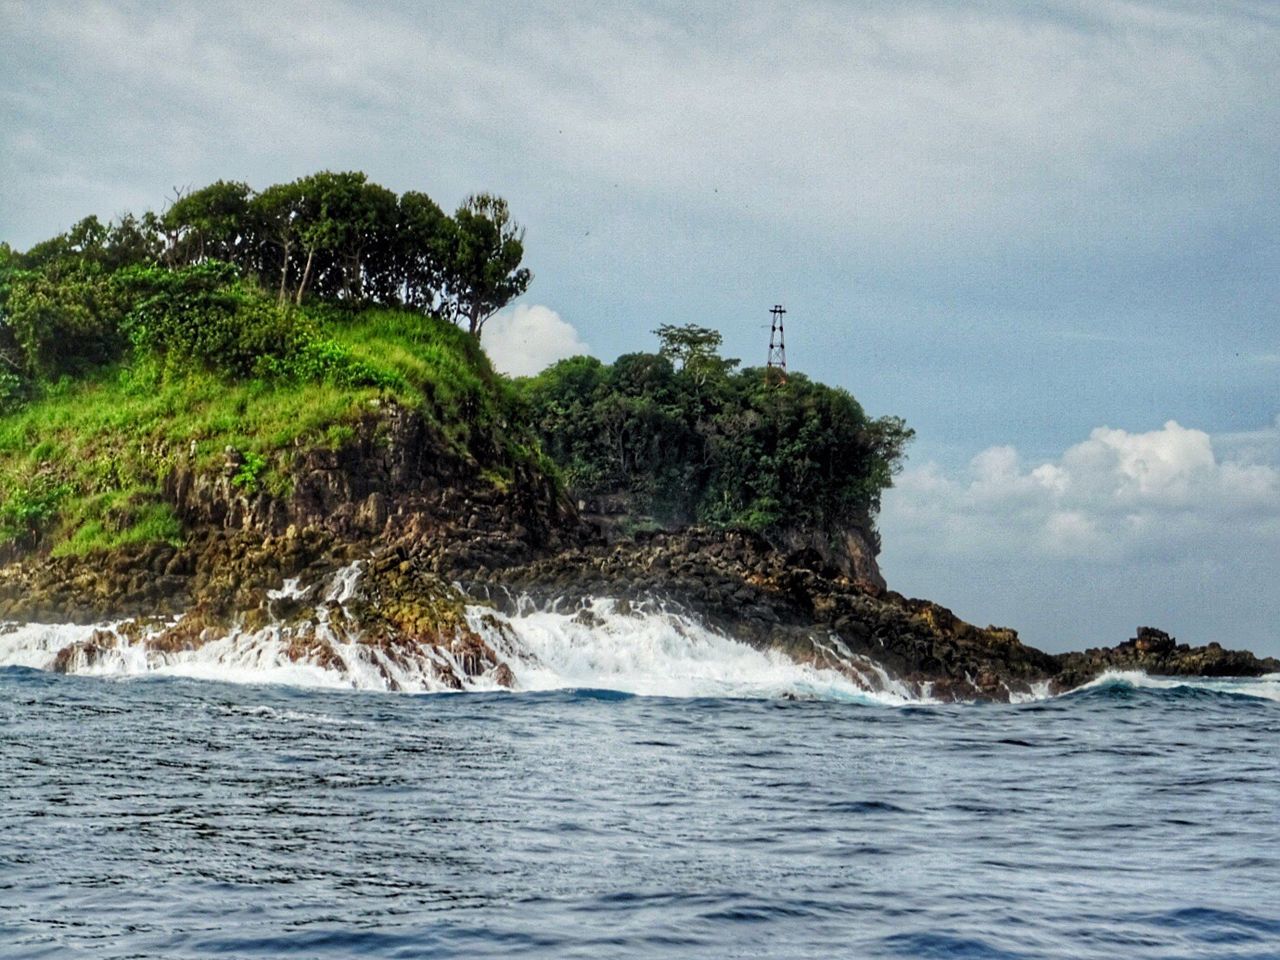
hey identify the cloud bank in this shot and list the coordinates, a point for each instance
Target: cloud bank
(904, 129)
(526, 338)
(1173, 524)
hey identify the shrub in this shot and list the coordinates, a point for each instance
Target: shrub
(63, 320)
(246, 477)
(206, 315)
(13, 392)
(317, 359)
(27, 510)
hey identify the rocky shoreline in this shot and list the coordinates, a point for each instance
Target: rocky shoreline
(432, 532)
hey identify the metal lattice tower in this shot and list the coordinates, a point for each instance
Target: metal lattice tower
(776, 370)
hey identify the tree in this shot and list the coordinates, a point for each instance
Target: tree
(483, 272)
(84, 243)
(424, 240)
(210, 224)
(343, 219)
(366, 245)
(275, 213)
(694, 350)
(317, 233)
(11, 357)
(133, 241)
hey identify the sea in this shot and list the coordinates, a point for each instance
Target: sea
(652, 790)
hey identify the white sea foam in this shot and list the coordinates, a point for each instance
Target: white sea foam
(35, 645)
(1266, 687)
(289, 591)
(342, 588)
(604, 645)
(1038, 691)
(311, 656)
(313, 653)
(660, 653)
(647, 652)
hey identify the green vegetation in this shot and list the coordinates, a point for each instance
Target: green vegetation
(329, 237)
(263, 323)
(683, 437)
(83, 464)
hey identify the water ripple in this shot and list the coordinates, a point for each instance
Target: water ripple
(164, 817)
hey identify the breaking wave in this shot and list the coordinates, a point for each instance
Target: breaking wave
(660, 653)
(1260, 688)
(603, 645)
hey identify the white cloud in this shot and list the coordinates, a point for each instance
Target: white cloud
(1173, 527)
(525, 338)
(1113, 497)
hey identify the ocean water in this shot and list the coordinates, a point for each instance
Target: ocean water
(652, 793)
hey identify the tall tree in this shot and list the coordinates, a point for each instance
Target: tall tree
(694, 350)
(276, 213)
(344, 218)
(210, 223)
(366, 244)
(483, 273)
(84, 243)
(316, 233)
(134, 241)
(424, 241)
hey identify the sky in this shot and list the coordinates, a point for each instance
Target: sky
(1047, 235)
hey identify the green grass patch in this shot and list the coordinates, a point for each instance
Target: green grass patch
(82, 464)
(144, 523)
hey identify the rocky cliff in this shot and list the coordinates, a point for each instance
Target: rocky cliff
(433, 528)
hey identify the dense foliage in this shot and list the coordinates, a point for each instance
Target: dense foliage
(681, 436)
(71, 301)
(243, 319)
(261, 321)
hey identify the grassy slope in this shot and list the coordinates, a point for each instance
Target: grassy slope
(86, 461)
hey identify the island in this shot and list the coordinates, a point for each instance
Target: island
(272, 407)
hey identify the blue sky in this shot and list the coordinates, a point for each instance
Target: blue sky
(1040, 233)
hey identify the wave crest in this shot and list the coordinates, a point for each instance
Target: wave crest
(603, 645)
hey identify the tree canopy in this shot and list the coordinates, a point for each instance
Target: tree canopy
(694, 441)
(328, 236)
(76, 299)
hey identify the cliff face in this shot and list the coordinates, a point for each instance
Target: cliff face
(850, 551)
(419, 517)
(397, 478)
(396, 485)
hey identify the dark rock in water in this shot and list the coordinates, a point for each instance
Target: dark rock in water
(1154, 651)
(1152, 641)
